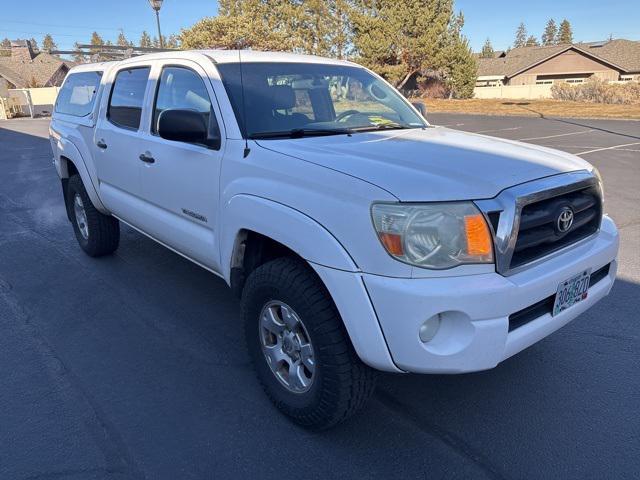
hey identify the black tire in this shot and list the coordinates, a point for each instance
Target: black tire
(103, 230)
(341, 383)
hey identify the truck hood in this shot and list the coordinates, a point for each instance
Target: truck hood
(433, 164)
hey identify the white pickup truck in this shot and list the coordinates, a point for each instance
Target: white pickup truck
(358, 236)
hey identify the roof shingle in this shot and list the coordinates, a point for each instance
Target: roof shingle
(22, 73)
(623, 53)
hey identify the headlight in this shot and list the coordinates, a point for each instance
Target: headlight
(433, 235)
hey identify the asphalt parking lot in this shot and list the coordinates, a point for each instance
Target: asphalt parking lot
(133, 366)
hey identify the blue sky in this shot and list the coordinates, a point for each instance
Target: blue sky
(71, 20)
(591, 19)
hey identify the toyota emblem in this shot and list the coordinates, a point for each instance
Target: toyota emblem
(565, 220)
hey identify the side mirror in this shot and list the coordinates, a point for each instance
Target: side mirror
(421, 108)
(186, 126)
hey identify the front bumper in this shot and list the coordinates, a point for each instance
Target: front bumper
(474, 333)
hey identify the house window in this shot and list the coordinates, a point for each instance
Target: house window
(626, 78)
(487, 83)
(544, 82)
(575, 80)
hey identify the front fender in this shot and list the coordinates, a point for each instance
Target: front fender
(333, 264)
(283, 224)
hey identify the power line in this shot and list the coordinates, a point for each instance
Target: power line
(66, 26)
(43, 33)
(53, 34)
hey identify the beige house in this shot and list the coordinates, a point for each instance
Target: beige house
(614, 60)
(26, 68)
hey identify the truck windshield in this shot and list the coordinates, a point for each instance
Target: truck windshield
(292, 100)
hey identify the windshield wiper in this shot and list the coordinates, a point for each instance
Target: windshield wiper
(301, 132)
(383, 126)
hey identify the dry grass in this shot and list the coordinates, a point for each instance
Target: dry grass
(533, 108)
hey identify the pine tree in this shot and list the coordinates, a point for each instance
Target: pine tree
(256, 24)
(550, 33)
(565, 34)
(172, 42)
(122, 41)
(48, 44)
(462, 71)
(156, 43)
(96, 40)
(145, 40)
(34, 44)
(399, 39)
(78, 57)
(341, 32)
(97, 44)
(320, 27)
(532, 41)
(521, 36)
(487, 50)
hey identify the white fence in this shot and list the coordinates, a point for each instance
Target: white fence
(30, 102)
(526, 92)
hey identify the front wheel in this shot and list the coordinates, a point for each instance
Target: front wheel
(299, 346)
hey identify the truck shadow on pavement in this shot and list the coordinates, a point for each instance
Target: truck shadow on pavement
(576, 121)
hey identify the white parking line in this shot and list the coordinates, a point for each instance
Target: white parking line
(554, 136)
(452, 125)
(498, 130)
(590, 147)
(608, 148)
(572, 146)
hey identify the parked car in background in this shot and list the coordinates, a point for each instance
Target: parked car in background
(358, 236)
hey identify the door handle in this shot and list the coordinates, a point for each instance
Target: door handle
(147, 158)
(101, 144)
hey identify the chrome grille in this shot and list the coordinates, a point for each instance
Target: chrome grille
(525, 218)
(539, 233)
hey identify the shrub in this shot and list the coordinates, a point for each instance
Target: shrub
(598, 91)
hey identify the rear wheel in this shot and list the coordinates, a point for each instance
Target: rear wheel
(97, 234)
(299, 346)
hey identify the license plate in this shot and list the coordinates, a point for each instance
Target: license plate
(572, 291)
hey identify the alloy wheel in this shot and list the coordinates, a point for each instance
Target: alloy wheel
(287, 346)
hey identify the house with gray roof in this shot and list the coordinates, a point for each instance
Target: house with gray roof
(613, 60)
(26, 68)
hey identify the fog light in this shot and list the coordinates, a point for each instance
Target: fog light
(429, 328)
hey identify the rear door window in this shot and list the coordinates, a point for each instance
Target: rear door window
(127, 97)
(78, 94)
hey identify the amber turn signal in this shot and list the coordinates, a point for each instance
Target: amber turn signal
(393, 243)
(478, 236)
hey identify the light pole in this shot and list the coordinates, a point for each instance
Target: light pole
(156, 5)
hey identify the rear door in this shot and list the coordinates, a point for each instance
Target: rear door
(180, 181)
(117, 140)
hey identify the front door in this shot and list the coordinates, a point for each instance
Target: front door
(180, 180)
